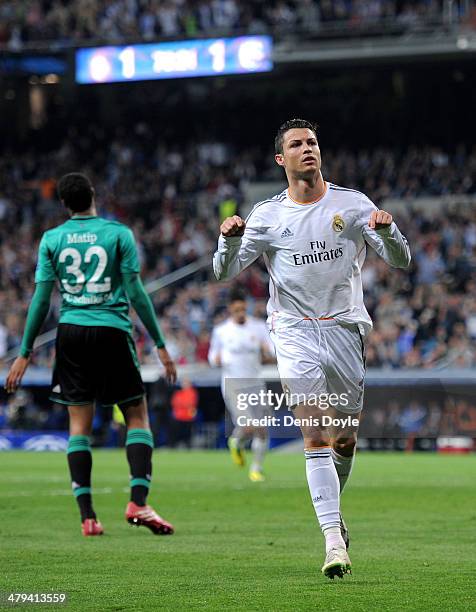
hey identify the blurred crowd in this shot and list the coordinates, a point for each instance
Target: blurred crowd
(70, 22)
(428, 414)
(174, 199)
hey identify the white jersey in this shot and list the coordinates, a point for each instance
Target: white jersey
(238, 347)
(314, 254)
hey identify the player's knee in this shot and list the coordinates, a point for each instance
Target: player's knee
(135, 414)
(80, 420)
(345, 446)
(315, 439)
(260, 432)
(247, 432)
(80, 430)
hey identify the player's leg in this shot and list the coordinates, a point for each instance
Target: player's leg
(80, 465)
(300, 353)
(344, 443)
(324, 488)
(259, 435)
(139, 448)
(118, 381)
(236, 444)
(259, 446)
(240, 433)
(72, 387)
(345, 371)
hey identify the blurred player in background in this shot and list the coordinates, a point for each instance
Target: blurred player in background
(95, 263)
(184, 404)
(313, 237)
(240, 345)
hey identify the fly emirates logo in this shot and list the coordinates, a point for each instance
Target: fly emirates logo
(318, 254)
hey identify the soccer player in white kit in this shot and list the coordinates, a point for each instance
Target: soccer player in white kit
(239, 346)
(313, 238)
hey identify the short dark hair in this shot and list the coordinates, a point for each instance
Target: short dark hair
(289, 125)
(76, 191)
(236, 295)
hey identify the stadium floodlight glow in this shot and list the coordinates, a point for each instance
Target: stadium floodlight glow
(172, 60)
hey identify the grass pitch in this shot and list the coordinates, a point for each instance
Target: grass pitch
(242, 545)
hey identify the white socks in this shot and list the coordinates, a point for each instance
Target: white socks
(323, 486)
(258, 448)
(343, 466)
(333, 538)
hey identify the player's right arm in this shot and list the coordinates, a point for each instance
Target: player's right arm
(37, 313)
(141, 301)
(239, 245)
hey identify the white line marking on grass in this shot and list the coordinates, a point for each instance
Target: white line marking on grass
(63, 492)
(40, 479)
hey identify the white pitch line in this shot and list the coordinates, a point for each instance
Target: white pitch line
(39, 480)
(63, 492)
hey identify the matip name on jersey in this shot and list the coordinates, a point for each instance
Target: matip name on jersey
(86, 237)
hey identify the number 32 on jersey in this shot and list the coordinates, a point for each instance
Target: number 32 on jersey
(72, 259)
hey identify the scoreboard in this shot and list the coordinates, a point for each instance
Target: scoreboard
(172, 60)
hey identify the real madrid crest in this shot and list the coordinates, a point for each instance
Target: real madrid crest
(338, 223)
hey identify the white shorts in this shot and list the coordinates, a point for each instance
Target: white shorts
(319, 360)
(239, 395)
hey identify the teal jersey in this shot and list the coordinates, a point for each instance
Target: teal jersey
(87, 256)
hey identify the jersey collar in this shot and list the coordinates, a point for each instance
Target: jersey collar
(82, 218)
(320, 199)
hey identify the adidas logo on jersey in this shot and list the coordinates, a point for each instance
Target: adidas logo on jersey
(287, 232)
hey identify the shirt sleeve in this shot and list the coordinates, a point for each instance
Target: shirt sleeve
(236, 253)
(214, 352)
(37, 312)
(389, 243)
(44, 268)
(142, 304)
(128, 252)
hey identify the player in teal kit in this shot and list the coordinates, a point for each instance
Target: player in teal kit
(94, 261)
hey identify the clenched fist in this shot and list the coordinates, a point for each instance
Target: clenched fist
(380, 219)
(233, 226)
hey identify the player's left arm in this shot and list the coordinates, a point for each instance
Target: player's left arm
(382, 234)
(142, 304)
(140, 300)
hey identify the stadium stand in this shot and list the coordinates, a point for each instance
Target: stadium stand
(71, 22)
(170, 161)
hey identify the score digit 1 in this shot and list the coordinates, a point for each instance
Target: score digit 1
(217, 51)
(128, 60)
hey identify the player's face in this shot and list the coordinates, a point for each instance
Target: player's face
(237, 312)
(301, 156)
